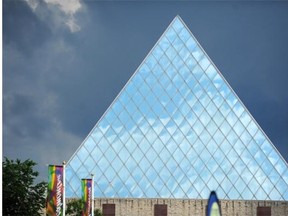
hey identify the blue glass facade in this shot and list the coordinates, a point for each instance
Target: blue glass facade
(178, 130)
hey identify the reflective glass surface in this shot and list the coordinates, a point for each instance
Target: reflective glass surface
(178, 130)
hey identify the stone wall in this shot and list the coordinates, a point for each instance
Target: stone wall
(187, 207)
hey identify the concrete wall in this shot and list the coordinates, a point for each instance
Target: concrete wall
(185, 207)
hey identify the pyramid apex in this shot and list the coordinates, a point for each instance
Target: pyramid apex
(178, 17)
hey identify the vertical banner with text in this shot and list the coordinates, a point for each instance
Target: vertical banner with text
(55, 193)
(87, 196)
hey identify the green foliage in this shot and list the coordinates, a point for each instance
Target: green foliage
(21, 196)
(74, 208)
(97, 212)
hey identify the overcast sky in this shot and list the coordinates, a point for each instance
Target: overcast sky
(64, 61)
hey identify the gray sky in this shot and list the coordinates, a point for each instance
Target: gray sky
(65, 61)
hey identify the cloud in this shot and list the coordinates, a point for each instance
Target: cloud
(32, 4)
(72, 25)
(58, 12)
(69, 7)
(32, 106)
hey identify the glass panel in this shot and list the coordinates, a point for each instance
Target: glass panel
(204, 99)
(164, 62)
(178, 81)
(158, 50)
(245, 137)
(281, 186)
(197, 53)
(246, 194)
(224, 90)
(204, 62)
(259, 137)
(238, 109)
(274, 176)
(252, 128)
(211, 108)
(226, 184)
(232, 137)
(231, 100)
(245, 118)
(267, 167)
(233, 156)
(157, 72)
(151, 80)
(218, 100)
(184, 53)
(218, 118)
(238, 128)
(267, 186)
(204, 118)
(191, 44)
(204, 81)
(151, 61)
(211, 127)
(225, 109)
(260, 194)
(280, 166)
(211, 91)
(217, 80)
(171, 71)
(266, 147)
(177, 62)
(198, 72)
(171, 53)
(177, 44)
(225, 128)
(171, 35)
(233, 193)
(239, 147)
(274, 194)
(253, 185)
(231, 118)
(211, 72)
(163, 45)
(184, 35)
(240, 185)
(260, 176)
(260, 157)
(191, 63)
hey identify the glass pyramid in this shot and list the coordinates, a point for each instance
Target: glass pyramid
(178, 130)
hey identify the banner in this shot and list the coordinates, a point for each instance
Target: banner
(213, 207)
(87, 196)
(55, 196)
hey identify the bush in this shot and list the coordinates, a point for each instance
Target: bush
(74, 208)
(21, 196)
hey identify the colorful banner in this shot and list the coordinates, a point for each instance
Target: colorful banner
(87, 196)
(55, 196)
(213, 207)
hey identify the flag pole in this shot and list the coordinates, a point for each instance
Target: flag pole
(92, 197)
(64, 188)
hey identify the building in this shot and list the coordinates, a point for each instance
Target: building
(176, 131)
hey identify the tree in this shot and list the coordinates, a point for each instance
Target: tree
(21, 196)
(74, 207)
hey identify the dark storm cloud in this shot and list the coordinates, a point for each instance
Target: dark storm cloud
(57, 82)
(35, 57)
(25, 31)
(21, 115)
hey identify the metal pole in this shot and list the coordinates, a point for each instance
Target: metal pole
(92, 197)
(64, 188)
